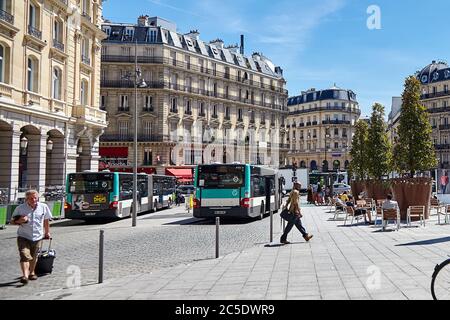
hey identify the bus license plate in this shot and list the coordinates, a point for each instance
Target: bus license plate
(89, 214)
(220, 212)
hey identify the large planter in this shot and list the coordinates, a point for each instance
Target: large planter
(378, 189)
(357, 187)
(412, 192)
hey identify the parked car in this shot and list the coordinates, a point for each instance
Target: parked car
(340, 188)
(186, 189)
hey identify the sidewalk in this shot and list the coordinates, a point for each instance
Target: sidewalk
(351, 262)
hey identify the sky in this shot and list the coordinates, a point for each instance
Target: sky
(318, 43)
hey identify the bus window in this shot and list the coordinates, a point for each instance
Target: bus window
(258, 186)
(125, 187)
(221, 177)
(90, 183)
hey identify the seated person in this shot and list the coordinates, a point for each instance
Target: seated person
(339, 204)
(344, 197)
(359, 211)
(389, 203)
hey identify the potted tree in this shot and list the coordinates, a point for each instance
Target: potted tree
(413, 151)
(379, 155)
(358, 165)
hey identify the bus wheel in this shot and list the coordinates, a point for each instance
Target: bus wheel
(261, 215)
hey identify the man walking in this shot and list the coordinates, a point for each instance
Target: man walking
(32, 217)
(294, 217)
(444, 182)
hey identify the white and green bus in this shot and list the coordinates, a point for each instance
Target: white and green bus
(103, 195)
(235, 190)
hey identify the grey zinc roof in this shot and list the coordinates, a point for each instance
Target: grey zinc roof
(228, 56)
(175, 39)
(240, 60)
(202, 48)
(215, 52)
(252, 64)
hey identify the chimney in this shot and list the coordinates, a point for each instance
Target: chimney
(193, 34)
(143, 21)
(242, 44)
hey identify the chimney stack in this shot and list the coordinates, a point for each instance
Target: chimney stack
(143, 21)
(242, 44)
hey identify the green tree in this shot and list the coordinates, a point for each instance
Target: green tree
(358, 164)
(379, 149)
(414, 150)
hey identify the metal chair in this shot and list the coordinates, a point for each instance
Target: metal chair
(350, 211)
(446, 213)
(416, 211)
(390, 215)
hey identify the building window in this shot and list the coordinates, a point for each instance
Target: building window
(84, 92)
(123, 129)
(85, 56)
(202, 108)
(227, 112)
(102, 102)
(336, 131)
(215, 111)
(32, 75)
(57, 82)
(123, 102)
(188, 107)
(147, 129)
(2, 63)
(153, 35)
(445, 88)
(239, 114)
(148, 157)
(32, 16)
(58, 33)
(173, 105)
(148, 105)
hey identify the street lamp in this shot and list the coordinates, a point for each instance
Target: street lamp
(23, 145)
(139, 82)
(49, 146)
(327, 135)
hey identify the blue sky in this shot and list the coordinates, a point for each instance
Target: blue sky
(317, 42)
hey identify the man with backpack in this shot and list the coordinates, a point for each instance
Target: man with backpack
(292, 215)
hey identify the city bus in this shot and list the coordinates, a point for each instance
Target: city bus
(235, 190)
(95, 195)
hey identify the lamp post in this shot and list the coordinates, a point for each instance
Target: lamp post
(327, 135)
(138, 82)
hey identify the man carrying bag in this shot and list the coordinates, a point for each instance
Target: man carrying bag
(293, 215)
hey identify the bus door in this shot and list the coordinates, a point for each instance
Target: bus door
(270, 191)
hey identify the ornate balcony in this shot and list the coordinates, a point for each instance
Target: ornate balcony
(58, 45)
(35, 32)
(5, 16)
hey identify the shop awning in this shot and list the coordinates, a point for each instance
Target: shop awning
(113, 152)
(185, 174)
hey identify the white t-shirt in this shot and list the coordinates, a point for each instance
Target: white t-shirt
(34, 229)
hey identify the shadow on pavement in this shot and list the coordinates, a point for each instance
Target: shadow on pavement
(425, 242)
(16, 283)
(70, 223)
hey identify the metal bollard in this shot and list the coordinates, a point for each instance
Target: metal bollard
(217, 236)
(271, 226)
(100, 257)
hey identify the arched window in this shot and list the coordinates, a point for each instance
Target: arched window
(336, 165)
(32, 74)
(84, 93)
(313, 165)
(56, 81)
(347, 164)
(325, 166)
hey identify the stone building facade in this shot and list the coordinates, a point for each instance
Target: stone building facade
(199, 103)
(50, 118)
(320, 126)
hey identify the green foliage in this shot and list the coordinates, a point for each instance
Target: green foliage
(358, 165)
(414, 150)
(379, 151)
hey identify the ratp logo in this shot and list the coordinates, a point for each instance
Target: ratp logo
(374, 19)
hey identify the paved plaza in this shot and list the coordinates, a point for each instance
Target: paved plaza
(340, 262)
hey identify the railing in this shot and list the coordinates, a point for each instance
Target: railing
(438, 110)
(335, 122)
(173, 110)
(5, 16)
(58, 45)
(345, 109)
(442, 146)
(444, 127)
(145, 109)
(123, 109)
(5, 90)
(435, 95)
(58, 106)
(106, 83)
(35, 32)
(190, 66)
(130, 138)
(33, 98)
(85, 59)
(188, 112)
(89, 114)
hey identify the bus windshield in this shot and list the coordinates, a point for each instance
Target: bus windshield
(221, 177)
(90, 183)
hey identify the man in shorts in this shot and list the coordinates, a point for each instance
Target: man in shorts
(32, 217)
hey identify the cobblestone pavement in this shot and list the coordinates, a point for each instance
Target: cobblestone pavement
(163, 239)
(341, 262)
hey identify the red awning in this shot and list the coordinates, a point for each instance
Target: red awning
(180, 173)
(113, 152)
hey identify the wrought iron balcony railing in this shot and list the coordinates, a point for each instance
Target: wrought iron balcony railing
(5, 16)
(35, 32)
